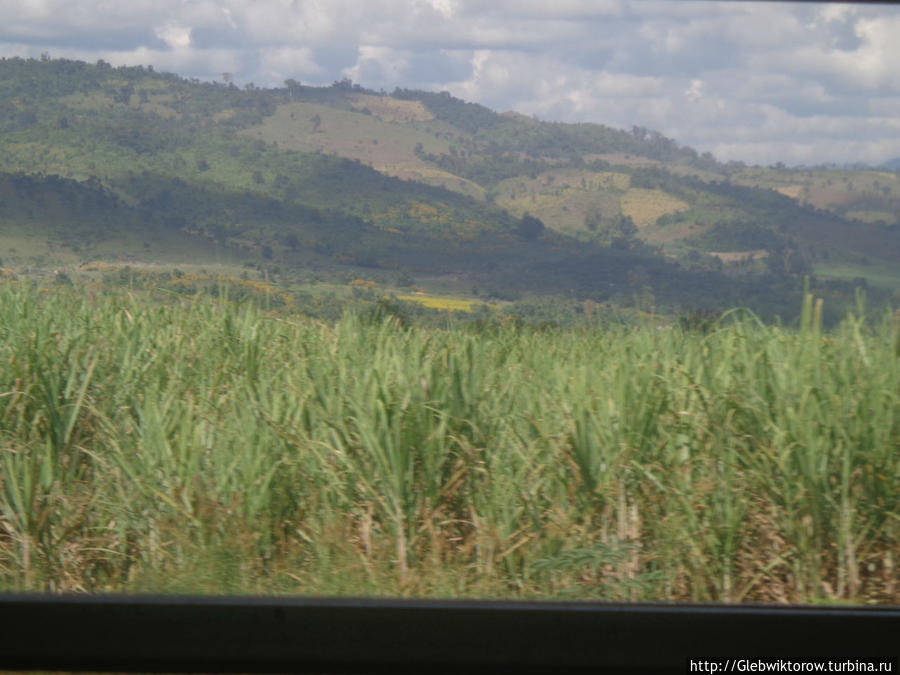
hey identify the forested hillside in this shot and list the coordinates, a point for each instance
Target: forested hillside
(103, 163)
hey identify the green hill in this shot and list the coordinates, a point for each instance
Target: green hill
(105, 162)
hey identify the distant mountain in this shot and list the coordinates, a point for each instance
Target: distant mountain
(423, 182)
(892, 164)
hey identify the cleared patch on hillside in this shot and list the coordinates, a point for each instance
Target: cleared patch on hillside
(737, 256)
(646, 206)
(311, 127)
(565, 199)
(831, 189)
(792, 191)
(827, 197)
(431, 175)
(392, 109)
(155, 103)
(554, 182)
(387, 147)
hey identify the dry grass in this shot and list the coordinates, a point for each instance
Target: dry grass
(645, 206)
(392, 109)
(563, 198)
(792, 191)
(734, 256)
(386, 146)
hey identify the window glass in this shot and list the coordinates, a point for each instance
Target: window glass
(583, 301)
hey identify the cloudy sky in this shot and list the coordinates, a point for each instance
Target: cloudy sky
(759, 82)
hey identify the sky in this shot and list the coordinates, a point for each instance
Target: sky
(759, 82)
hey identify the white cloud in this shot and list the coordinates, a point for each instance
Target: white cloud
(376, 63)
(791, 82)
(836, 12)
(695, 92)
(278, 64)
(446, 8)
(176, 35)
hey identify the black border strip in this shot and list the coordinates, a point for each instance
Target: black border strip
(180, 634)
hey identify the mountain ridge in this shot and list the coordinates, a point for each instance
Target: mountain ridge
(426, 181)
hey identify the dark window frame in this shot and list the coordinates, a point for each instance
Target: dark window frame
(180, 634)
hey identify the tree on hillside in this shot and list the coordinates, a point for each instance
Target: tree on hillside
(626, 226)
(293, 86)
(530, 228)
(593, 219)
(290, 240)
